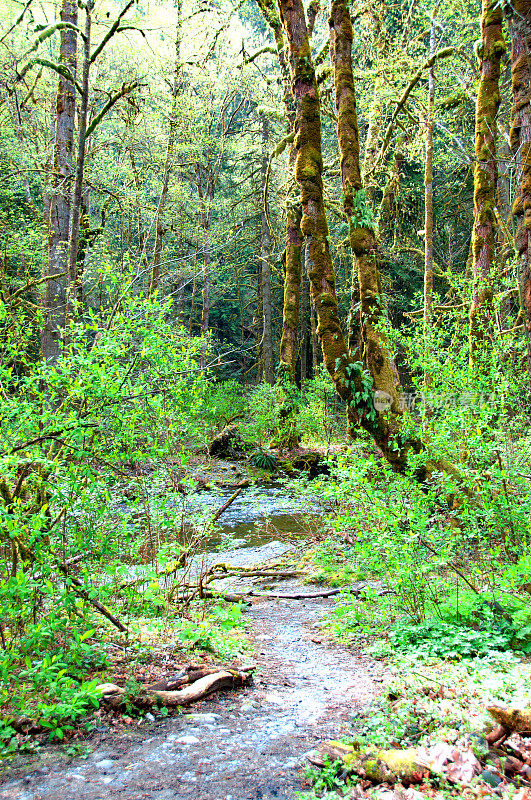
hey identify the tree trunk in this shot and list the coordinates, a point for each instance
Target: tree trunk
(160, 228)
(305, 319)
(77, 199)
(489, 52)
(57, 205)
(205, 312)
(362, 232)
(292, 285)
(292, 275)
(519, 19)
(265, 266)
(348, 382)
(428, 200)
(315, 341)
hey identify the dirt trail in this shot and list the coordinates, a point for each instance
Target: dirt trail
(247, 745)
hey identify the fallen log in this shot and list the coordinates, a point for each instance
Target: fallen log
(512, 720)
(235, 598)
(115, 696)
(377, 766)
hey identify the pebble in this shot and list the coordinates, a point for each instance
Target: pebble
(106, 764)
(491, 778)
(274, 698)
(206, 719)
(187, 740)
(149, 717)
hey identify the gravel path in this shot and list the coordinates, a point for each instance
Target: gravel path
(245, 745)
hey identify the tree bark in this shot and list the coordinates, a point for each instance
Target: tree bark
(519, 19)
(57, 205)
(489, 52)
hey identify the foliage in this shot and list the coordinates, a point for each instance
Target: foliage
(332, 776)
(264, 459)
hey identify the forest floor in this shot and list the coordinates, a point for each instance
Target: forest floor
(244, 745)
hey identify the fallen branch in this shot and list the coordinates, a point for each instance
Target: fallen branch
(79, 589)
(115, 696)
(225, 506)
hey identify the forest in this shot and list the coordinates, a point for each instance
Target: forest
(265, 394)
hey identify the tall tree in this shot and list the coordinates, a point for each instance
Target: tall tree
(293, 245)
(489, 52)
(160, 226)
(265, 262)
(57, 208)
(362, 229)
(519, 19)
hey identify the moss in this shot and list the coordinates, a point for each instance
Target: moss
(485, 172)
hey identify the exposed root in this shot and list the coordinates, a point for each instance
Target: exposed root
(214, 680)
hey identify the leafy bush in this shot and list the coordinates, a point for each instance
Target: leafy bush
(444, 640)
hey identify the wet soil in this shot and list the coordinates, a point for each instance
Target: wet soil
(244, 745)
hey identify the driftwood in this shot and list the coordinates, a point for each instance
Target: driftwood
(115, 696)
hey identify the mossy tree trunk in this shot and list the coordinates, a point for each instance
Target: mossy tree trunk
(292, 253)
(265, 265)
(519, 19)
(383, 427)
(362, 232)
(489, 52)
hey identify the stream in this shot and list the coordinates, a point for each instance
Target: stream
(248, 744)
(262, 513)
